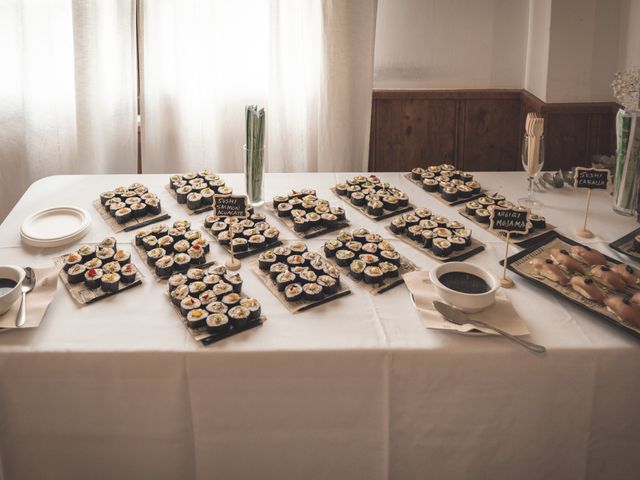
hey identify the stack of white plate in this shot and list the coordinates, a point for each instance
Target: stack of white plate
(55, 226)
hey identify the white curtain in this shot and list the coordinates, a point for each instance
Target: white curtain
(67, 90)
(309, 62)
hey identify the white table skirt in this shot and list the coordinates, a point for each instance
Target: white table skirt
(356, 388)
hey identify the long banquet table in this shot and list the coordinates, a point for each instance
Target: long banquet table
(356, 388)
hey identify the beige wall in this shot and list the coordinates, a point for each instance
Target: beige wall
(560, 50)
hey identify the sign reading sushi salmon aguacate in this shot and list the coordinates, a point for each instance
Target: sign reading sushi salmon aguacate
(510, 220)
(591, 178)
(230, 206)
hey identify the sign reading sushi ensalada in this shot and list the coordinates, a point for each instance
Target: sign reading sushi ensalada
(591, 178)
(230, 206)
(510, 220)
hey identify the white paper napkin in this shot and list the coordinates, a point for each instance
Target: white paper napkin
(501, 314)
(38, 300)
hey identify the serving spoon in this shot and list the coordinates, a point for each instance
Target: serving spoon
(27, 285)
(458, 317)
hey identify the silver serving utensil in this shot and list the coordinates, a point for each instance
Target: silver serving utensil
(460, 318)
(27, 285)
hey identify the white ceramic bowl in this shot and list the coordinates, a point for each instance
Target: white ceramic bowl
(16, 274)
(467, 302)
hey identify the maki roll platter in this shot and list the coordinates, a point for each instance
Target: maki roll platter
(307, 215)
(128, 208)
(170, 248)
(97, 271)
(195, 190)
(436, 236)
(479, 212)
(299, 278)
(210, 302)
(629, 245)
(368, 259)
(444, 182)
(249, 236)
(373, 197)
(585, 277)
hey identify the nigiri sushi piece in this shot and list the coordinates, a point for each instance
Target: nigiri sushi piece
(608, 277)
(566, 261)
(626, 310)
(550, 270)
(587, 255)
(628, 273)
(587, 288)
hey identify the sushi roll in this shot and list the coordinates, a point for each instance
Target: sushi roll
(160, 230)
(344, 257)
(389, 270)
(328, 283)
(369, 259)
(410, 219)
(278, 199)
(257, 241)
(398, 225)
(465, 177)
(338, 212)
(483, 215)
(450, 194)
(231, 300)
(218, 323)
(457, 243)
(354, 246)
(115, 206)
(216, 307)
(277, 268)
(153, 206)
(313, 219)
(182, 192)
(403, 199)
(414, 232)
(164, 266)
(298, 248)
(538, 221)
(331, 247)
(356, 269)
(329, 220)
(464, 191)
(441, 247)
(239, 244)
(105, 254)
(111, 267)
(179, 293)
(154, 255)
(390, 202)
(416, 173)
(375, 208)
(149, 242)
(123, 215)
(472, 207)
(235, 280)
(271, 234)
(197, 318)
(342, 189)
(166, 243)
(93, 278)
(296, 261)
(239, 317)
(194, 201)
(181, 246)
(373, 274)
(76, 273)
(139, 209)
(284, 209)
(253, 306)
(312, 292)
(187, 304)
(293, 292)
(87, 252)
(426, 238)
(442, 232)
(181, 262)
(196, 252)
(110, 282)
(428, 224)
(176, 280)
(360, 235)
(108, 242)
(357, 198)
(370, 247)
(105, 196)
(300, 224)
(95, 262)
(139, 236)
(465, 234)
(266, 259)
(474, 186)
(122, 257)
(207, 196)
(430, 185)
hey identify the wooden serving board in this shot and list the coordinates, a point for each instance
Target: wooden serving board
(207, 338)
(172, 192)
(208, 261)
(405, 266)
(519, 263)
(625, 245)
(85, 295)
(474, 248)
(363, 209)
(299, 305)
(534, 235)
(438, 197)
(249, 251)
(134, 223)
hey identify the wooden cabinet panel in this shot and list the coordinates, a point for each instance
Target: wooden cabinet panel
(566, 141)
(409, 132)
(492, 132)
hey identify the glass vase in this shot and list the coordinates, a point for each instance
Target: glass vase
(254, 174)
(627, 179)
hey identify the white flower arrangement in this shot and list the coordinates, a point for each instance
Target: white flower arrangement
(626, 89)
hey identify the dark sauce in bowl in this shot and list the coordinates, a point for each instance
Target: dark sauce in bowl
(464, 282)
(6, 285)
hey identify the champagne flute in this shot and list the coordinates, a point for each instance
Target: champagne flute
(532, 161)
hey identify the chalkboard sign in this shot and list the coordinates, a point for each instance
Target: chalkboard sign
(591, 178)
(230, 206)
(510, 220)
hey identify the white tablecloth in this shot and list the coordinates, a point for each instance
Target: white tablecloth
(354, 389)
